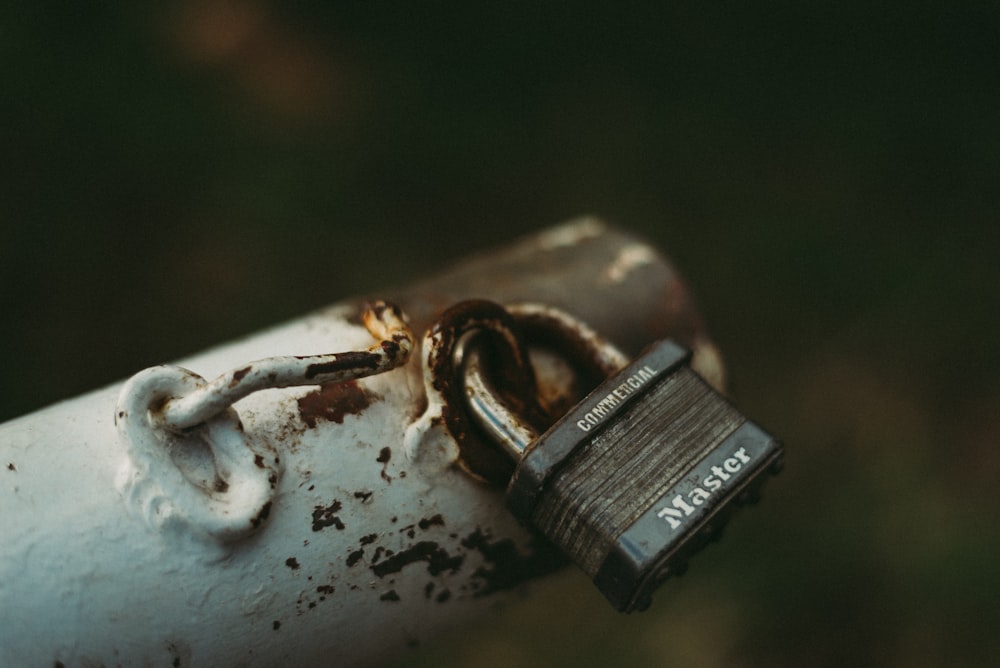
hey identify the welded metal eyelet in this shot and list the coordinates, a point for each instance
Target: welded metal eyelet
(188, 460)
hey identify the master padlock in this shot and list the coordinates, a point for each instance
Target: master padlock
(636, 477)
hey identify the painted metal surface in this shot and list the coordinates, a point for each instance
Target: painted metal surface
(190, 465)
(369, 546)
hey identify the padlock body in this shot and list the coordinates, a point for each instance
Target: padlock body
(641, 473)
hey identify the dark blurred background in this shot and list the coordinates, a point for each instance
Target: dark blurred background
(177, 175)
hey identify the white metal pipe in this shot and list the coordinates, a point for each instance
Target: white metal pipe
(369, 543)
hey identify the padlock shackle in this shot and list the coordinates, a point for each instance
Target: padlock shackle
(488, 409)
(587, 350)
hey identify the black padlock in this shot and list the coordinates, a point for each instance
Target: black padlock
(635, 478)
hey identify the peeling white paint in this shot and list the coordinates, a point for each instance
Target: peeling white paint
(629, 259)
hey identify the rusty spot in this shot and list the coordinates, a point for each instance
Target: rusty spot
(323, 517)
(333, 402)
(273, 479)
(220, 485)
(276, 625)
(391, 348)
(508, 364)
(258, 461)
(504, 567)
(428, 589)
(239, 375)
(390, 595)
(355, 557)
(443, 596)
(262, 515)
(364, 495)
(438, 560)
(344, 362)
(379, 551)
(11, 467)
(369, 539)
(325, 589)
(292, 563)
(384, 455)
(425, 524)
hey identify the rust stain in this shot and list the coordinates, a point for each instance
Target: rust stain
(323, 517)
(344, 361)
(384, 455)
(390, 595)
(364, 495)
(425, 524)
(508, 356)
(292, 563)
(276, 625)
(391, 348)
(258, 461)
(333, 402)
(262, 515)
(355, 557)
(239, 375)
(11, 467)
(380, 552)
(504, 567)
(437, 558)
(369, 539)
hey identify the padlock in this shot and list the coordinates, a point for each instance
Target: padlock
(635, 478)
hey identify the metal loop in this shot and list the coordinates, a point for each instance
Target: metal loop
(212, 479)
(386, 323)
(569, 335)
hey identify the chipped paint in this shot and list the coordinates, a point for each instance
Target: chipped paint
(333, 402)
(324, 516)
(628, 259)
(436, 557)
(570, 234)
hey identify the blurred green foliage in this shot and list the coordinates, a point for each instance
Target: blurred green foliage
(179, 174)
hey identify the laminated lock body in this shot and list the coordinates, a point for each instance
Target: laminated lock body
(641, 473)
